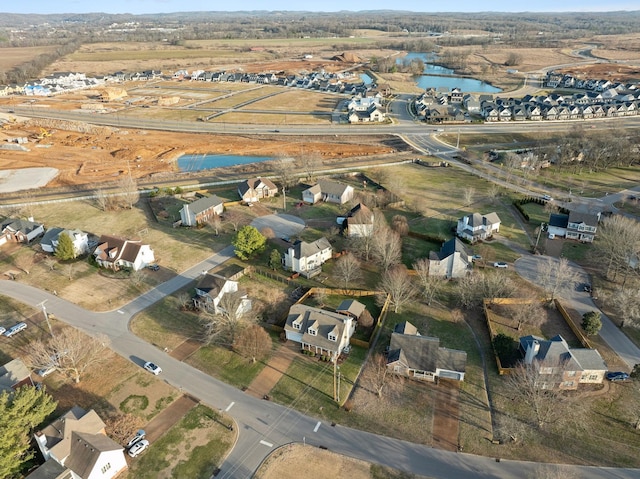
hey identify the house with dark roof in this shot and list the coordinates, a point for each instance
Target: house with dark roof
(452, 261)
(560, 366)
(13, 375)
(19, 230)
(577, 225)
(320, 331)
(201, 211)
(210, 290)
(351, 307)
(330, 191)
(557, 225)
(308, 258)
(115, 253)
(421, 357)
(254, 189)
(77, 441)
(80, 240)
(476, 227)
(359, 222)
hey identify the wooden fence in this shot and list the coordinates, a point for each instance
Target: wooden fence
(577, 330)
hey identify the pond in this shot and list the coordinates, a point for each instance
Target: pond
(440, 77)
(207, 161)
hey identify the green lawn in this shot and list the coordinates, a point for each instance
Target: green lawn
(226, 365)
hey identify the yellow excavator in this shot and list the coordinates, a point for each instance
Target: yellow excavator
(44, 133)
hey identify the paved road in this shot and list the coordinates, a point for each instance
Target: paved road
(262, 425)
(577, 299)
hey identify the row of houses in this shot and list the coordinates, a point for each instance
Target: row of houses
(555, 79)
(54, 84)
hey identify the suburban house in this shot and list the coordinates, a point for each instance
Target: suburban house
(421, 357)
(114, 253)
(351, 307)
(476, 227)
(77, 441)
(318, 330)
(452, 261)
(13, 375)
(308, 258)
(581, 226)
(329, 191)
(80, 240)
(560, 366)
(359, 222)
(19, 231)
(210, 290)
(254, 189)
(201, 211)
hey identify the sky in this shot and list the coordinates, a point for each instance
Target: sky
(168, 6)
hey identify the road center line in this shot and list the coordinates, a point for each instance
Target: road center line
(315, 429)
(265, 443)
(229, 406)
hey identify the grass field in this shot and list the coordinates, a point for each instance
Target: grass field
(11, 57)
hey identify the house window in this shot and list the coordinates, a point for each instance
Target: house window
(571, 373)
(106, 467)
(332, 337)
(296, 325)
(312, 332)
(568, 384)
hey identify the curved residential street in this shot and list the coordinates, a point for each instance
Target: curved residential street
(263, 425)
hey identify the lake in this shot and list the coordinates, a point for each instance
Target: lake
(433, 77)
(206, 162)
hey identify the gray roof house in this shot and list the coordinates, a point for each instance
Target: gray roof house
(330, 191)
(359, 221)
(80, 240)
(201, 211)
(14, 374)
(421, 357)
(210, 290)
(351, 307)
(308, 258)
(19, 230)
(317, 330)
(475, 227)
(560, 366)
(77, 442)
(452, 261)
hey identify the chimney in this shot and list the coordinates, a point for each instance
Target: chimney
(532, 350)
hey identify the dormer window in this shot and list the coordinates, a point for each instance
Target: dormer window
(332, 337)
(296, 325)
(313, 332)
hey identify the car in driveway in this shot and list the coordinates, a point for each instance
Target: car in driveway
(15, 329)
(2, 330)
(139, 436)
(617, 376)
(138, 447)
(476, 257)
(500, 264)
(152, 368)
(587, 288)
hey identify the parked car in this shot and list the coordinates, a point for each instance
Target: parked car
(617, 376)
(152, 368)
(547, 198)
(587, 288)
(153, 267)
(500, 264)
(138, 447)
(552, 236)
(44, 372)
(476, 257)
(2, 330)
(139, 436)
(15, 329)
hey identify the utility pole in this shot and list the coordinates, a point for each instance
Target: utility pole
(336, 379)
(284, 198)
(46, 316)
(458, 141)
(542, 226)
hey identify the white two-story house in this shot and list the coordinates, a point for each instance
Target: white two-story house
(476, 227)
(308, 258)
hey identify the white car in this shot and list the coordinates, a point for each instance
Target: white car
(500, 264)
(139, 436)
(138, 447)
(152, 368)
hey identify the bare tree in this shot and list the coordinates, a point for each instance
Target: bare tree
(468, 195)
(556, 275)
(128, 192)
(253, 342)
(528, 312)
(24, 260)
(428, 285)
(397, 284)
(493, 192)
(234, 218)
(475, 287)
(376, 375)
(627, 301)
(618, 244)
(70, 351)
(539, 392)
(284, 169)
(103, 200)
(347, 270)
(137, 277)
(365, 320)
(310, 163)
(400, 225)
(50, 262)
(387, 248)
(121, 427)
(223, 326)
(184, 300)
(70, 269)
(216, 223)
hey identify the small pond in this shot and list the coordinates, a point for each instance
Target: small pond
(207, 162)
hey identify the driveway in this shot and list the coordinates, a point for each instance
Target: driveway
(283, 225)
(575, 298)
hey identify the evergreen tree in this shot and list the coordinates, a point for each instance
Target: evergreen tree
(21, 412)
(65, 249)
(248, 241)
(275, 260)
(591, 323)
